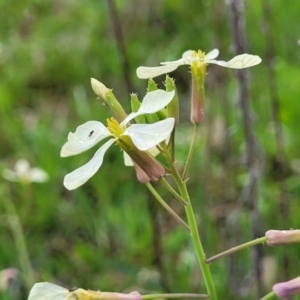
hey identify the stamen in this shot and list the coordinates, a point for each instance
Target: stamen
(114, 127)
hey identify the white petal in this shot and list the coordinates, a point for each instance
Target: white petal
(187, 54)
(152, 103)
(179, 62)
(68, 150)
(127, 160)
(239, 62)
(22, 166)
(10, 175)
(38, 175)
(151, 72)
(81, 175)
(87, 135)
(147, 136)
(212, 54)
(47, 291)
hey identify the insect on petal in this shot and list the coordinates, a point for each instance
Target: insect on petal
(87, 135)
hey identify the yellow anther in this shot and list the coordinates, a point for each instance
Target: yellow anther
(114, 127)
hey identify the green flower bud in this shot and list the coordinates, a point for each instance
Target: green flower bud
(135, 105)
(173, 107)
(109, 99)
(152, 86)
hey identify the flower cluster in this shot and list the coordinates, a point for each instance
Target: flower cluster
(134, 139)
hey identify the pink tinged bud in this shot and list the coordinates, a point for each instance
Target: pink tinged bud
(197, 105)
(281, 237)
(288, 288)
(148, 164)
(141, 175)
(152, 168)
(120, 296)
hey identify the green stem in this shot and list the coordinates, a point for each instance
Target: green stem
(172, 191)
(193, 228)
(268, 296)
(19, 240)
(191, 152)
(166, 206)
(198, 245)
(166, 296)
(237, 248)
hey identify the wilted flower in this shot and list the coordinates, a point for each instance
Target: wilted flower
(22, 172)
(288, 288)
(46, 290)
(134, 139)
(281, 237)
(189, 57)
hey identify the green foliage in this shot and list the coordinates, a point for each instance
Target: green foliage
(110, 234)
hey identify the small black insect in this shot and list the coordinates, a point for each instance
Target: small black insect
(91, 133)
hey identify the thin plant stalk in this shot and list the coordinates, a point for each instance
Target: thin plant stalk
(172, 191)
(268, 296)
(179, 295)
(19, 239)
(191, 152)
(237, 248)
(165, 205)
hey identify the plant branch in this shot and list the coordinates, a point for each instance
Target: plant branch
(166, 206)
(237, 248)
(179, 295)
(172, 191)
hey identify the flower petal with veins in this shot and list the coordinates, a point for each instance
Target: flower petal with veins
(47, 291)
(81, 175)
(147, 136)
(87, 135)
(152, 103)
(239, 62)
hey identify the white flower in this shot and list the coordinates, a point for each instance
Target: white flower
(143, 136)
(50, 291)
(239, 62)
(23, 173)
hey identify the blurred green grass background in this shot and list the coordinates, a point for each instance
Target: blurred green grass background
(110, 234)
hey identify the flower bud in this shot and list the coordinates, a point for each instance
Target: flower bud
(99, 88)
(152, 86)
(281, 237)
(288, 288)
(89, 294)
(153, 169)
(160, 115)
(135, 105)
(141, 175)
(109, 99)
(173, 107)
